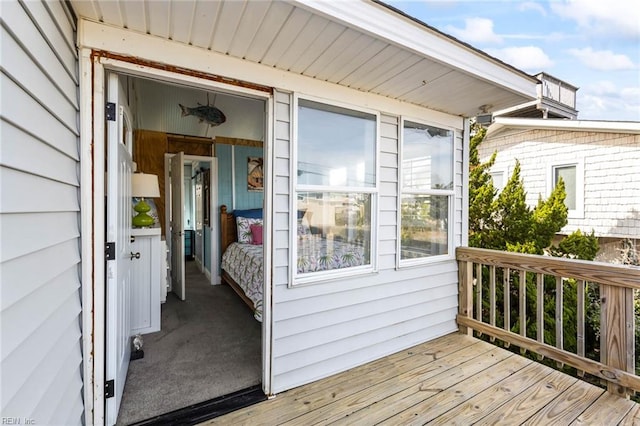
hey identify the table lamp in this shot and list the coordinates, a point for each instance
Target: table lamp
(144, 186)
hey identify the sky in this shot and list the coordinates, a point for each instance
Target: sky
(591, 44)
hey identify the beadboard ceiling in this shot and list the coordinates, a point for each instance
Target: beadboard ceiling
(358, 44)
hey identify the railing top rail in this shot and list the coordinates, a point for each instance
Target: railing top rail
(598, 272)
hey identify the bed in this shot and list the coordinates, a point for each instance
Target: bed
(242, 257)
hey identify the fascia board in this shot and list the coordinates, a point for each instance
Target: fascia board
(632, 127)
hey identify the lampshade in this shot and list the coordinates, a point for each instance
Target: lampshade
(144, 185)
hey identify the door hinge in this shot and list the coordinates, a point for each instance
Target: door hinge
(109, 389)
(110, 111)
(110, 251)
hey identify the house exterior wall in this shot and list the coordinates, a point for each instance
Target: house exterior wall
(607, 162)
(323, 328)
(40, 301)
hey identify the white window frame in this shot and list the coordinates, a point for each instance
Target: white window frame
(578, 212)
(296, 279)
(402, 263)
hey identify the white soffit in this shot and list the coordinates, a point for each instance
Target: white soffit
(357, 44)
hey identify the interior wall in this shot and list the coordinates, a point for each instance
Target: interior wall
(232, 176)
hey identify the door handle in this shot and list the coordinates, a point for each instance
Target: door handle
(135, 255)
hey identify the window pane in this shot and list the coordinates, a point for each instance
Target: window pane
(498, 179)
(427, 157)
(568, 175)
(424, 224)
(334, 231)
(336, 146)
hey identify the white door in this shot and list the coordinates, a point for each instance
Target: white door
(118, 232)
(177, 225)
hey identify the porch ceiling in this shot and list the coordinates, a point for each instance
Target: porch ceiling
(364, 46)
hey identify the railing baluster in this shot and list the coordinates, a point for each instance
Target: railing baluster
(522, 297)
(479, 294)
(559, 318)
(507, 302)
(465, 282)
(492, 297)
(580, 326)
(540, 310)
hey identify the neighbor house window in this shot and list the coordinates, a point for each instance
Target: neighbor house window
(426, 198)
(568, 175)
(571, 174)
(336, 189)
(497, 177)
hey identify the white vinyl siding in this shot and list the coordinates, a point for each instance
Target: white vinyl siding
(322, 329)
(608, 182)
(40, 309)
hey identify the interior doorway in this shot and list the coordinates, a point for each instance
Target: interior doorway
(191, 191)
(207, 336)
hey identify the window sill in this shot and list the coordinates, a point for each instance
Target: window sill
(330, 276)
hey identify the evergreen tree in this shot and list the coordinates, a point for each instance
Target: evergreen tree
(504, 221)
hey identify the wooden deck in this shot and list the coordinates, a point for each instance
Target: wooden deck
(455, 379)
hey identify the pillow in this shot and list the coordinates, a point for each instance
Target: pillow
(244, 228)
(303, 227)
(256, 234)
(251, 213)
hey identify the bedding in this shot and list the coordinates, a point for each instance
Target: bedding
(320, 254)
(243, 263)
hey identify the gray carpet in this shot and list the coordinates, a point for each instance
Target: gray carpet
(209, 346)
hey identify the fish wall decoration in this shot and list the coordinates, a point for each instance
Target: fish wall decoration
(212, 115)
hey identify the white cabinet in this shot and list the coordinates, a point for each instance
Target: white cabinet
(146, 283)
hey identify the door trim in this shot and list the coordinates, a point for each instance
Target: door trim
(92, 193)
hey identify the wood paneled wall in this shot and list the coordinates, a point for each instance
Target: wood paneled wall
(149, 149)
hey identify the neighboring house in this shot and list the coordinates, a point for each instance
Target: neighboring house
(598, 161)
(395, 89)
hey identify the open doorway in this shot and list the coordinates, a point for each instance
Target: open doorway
(209, 343)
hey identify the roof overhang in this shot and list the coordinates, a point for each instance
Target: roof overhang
(363, 45)
(502, 124)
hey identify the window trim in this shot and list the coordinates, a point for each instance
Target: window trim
(310, 278)
(578, 212)
(405, 263)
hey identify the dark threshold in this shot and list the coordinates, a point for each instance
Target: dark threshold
(198, 413)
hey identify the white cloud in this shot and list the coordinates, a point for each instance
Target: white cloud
(602, 60)
(602, 100)
(476, 30)
(611, 17)
(530, 5)
(529, 58)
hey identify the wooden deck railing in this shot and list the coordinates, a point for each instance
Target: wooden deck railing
(487, 275)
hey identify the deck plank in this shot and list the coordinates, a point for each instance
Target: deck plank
(526, 404)
(455, 379)
(298, 401)
(446, 400)
(608, 409)
(319, 411)
(632, 417)
(491, 399)
(380, 404)
(567, 406)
